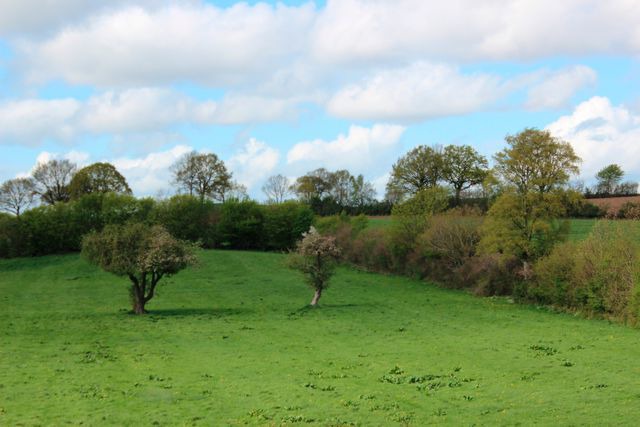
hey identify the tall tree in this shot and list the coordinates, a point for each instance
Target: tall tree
(420, 168)
(535, 168)
(52, 180)
(98, 178)
(17, 195)
(362, 192)
(203, 175)
(341, 186)
(277, 188)
(608, 179)
(313, 185)
(463, 168)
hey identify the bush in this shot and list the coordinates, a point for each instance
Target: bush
(241, 225)
(629, 210)
(188, 218)
(284, 224)
(553, 277)
(607, 270)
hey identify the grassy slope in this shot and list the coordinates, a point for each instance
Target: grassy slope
(230, 343)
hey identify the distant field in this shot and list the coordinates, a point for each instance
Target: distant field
(613, 204)
(232, 343)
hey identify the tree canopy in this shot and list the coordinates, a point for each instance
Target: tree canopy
(422, 167)
(52, 180)
(17, 195)
(142, 253)
(534, 168)
(98, 178)
(204, 175)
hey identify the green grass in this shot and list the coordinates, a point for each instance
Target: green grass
(232, 343)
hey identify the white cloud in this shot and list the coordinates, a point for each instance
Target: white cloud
(601, 134)
(34, 120)
(362, 150)
(417, 92)
(133, 111)
(180, 42)
(150, 174)
(253, 163)
(558, 88)
(375, 31)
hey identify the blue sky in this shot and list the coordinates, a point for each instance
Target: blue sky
(291, 86)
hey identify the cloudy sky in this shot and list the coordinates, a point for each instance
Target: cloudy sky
(286, 87)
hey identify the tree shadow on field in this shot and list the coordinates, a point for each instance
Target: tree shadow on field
(212, 312)
(326, 308)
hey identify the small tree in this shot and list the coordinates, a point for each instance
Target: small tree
(316, 257)
(464, 167)
(143, 254)
(420, 168)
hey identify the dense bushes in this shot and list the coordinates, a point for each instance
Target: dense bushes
(599, 275)
(236, 224)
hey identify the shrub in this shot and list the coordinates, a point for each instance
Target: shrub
(607, 270)
(241, 225)
(316, 257)
(188, 218)
(553, 277)
(284, 224)
(629, 210)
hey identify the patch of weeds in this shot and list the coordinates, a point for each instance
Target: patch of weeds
(576, 347)
(596, 386)
(296, 419)
(440, 412)
(402, 417)
(311, 385)
(367, 397)
(530, 377)
(543, 350)
(467, 398)
(337, 422)
(100, 354)
(567, 363)
(328, 388)
(93, 391)
(350, 404)
(259, 414)
(385, 407)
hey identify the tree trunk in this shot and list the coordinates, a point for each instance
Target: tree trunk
(316, 297)
(138, 305)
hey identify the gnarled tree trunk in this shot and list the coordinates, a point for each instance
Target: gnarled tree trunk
(316, 297)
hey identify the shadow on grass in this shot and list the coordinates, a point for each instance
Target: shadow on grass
(324, 308)
(213, 312)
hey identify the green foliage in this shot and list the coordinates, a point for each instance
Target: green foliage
(316, 258)
(188, 218)
(464, 167)
(419, 169)
(202, 175)
(608, 179)
(599, 274)
(284, 224)
(241, 225)
(98, 178)
(142, 253)
(522, 222)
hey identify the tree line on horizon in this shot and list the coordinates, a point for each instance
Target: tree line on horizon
(460, 168)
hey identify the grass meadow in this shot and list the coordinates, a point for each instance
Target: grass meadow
(232, 343)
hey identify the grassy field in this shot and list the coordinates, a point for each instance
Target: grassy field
(232, 343)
